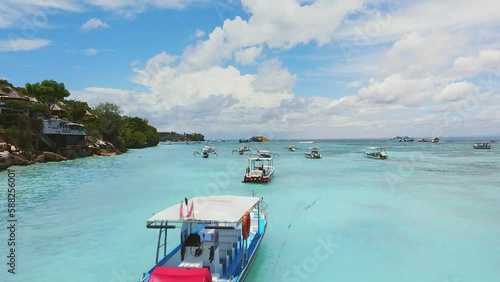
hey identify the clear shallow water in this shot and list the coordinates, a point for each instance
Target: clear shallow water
(431, 212)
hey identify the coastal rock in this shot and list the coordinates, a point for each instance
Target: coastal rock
(99, 144)
(106, 152)
(18, 160)
(9, 154)
(4, 146)
(96, 147)
(49, 157)
(4, 161)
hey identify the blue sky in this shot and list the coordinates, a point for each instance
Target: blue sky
(282, 68)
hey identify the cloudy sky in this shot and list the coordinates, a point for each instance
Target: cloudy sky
(282, 68)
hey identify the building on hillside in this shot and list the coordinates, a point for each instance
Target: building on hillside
(63, 133)
(10, 94)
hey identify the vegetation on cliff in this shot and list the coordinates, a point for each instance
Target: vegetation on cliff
(101, 122)
(123, 132)
(47, 92)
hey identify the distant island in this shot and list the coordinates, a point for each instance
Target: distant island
(177, 137)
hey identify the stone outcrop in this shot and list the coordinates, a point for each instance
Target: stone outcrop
(48, 157)
(11, 155)
(96, 147)
(7, 159)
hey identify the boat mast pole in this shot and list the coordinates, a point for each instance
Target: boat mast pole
(158, 246)
(165, 243)
(244, 254)
(258, 218)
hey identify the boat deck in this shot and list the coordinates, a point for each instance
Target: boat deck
(228, 254)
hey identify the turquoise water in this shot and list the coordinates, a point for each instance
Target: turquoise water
(431, 212)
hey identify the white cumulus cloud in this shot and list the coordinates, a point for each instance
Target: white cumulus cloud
(247, 56)
(486, 61)
(22, 44)
(94, 23)
(456, 91)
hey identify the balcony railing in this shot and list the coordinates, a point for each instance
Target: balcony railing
(62, 127)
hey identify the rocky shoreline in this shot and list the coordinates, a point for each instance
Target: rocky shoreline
(10, 155)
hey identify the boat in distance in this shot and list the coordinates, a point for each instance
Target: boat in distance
(313, 153)
(206, 151)
(219, 239)
(259, 170)
(260, 138)
(484, 145)
(376, 153)
(242, 150)
(264, 154)
(402, 139)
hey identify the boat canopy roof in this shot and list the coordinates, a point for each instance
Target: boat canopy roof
(210, 210)
(260, 159)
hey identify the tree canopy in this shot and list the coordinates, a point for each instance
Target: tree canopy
(5, 85)
(47, 92)
(75, 110)
(123, 132)
(138, 133)
(109, 122)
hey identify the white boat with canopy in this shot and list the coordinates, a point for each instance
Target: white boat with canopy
(219, 239)
(376, 153)
(259, 170)
(313, 153)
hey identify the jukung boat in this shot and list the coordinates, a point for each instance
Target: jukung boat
(259, 170)
(206, 151)
(242, 150)
(376, 153)
(264, 154)
(219, 239)
(313, 153)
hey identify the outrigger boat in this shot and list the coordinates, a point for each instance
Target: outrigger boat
(259, 170)
(219, 239)
(313, 153)
(242, 150)
(206, 151)
(376, 153)
(264, 154)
